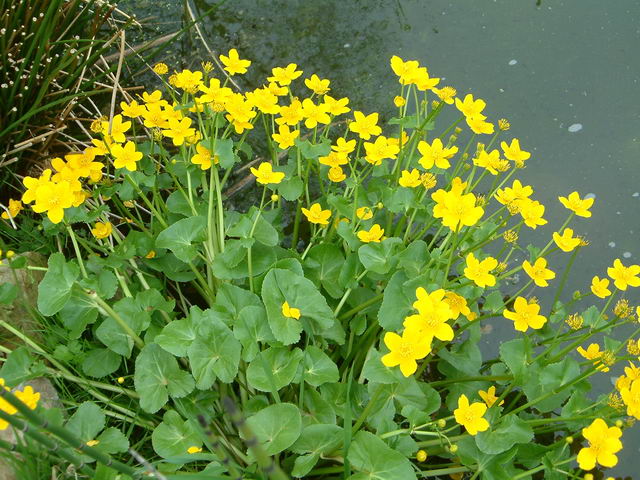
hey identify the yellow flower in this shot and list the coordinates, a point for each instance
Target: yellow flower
(410, 179)
(421, 456)
(372, 235)
(291, 114)
(150, 254)
(470, 416)
(404, 351)
(126, 157)
(203, 157)
(489, 397)
(343, 147)
(133, 109)
(336, 106)
(118, 128)
(265, 175)
(491, 161)
(315, 214)
(470, 107)
(155, 117)
(263, 100)
(455, 209)
(336, 174)
(188, 81)
(445, 94)
(365, 125)
(576, 205)
(399, 101)
(364, 213)
(233, 64)
(290, 312)
(532, 212)
(285, 137)
(407, 72)
(600, 287)
(428, 180)
(193, 449)
(102, 230)
(593, 353)
(423, 81)
(53, 198)
(334, 159)
(622, 276)
(214, 93)
(478, 125)
(525, 315)
(604, 443)
(380, 149)
(566, 242)
(284, 76)
(631, 398)
(539, 272)
(314, 114)
(432, 316)
(457, 304)
(435, 154)
(317, 85)
(160, 68)
(178, 130)
(92, 443)
(514, 194)
(277, 90)
(15, 207)
(513, 151)
(120, 380)
(478, 271)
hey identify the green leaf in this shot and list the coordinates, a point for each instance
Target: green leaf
(414, 258)
(398, 300)
(291, 188)
(8, 293)
(157, 376)
(276, 427)
(380, 257)
(177, 336)
(376, 461)
(282, 285)
(55, 288)
(100, 362)
(224, 151)
(251, 328)
(323, 265)
(105, 284)
(494, 302)
(263, 231)
(548, 379)
(273, 368)
(304, 464)
(87, 421)
(317, 439)
(312, 151)
(181, 236)
(78, 312)
(215, 353)
(111, 441)
(515, 354)
(506, 434)
(17, 367)
(174, 436)
(318, 368)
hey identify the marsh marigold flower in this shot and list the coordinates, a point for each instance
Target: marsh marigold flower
(479, 126)
(334, 159)
(622, 276)
(405, 350)
(14, 208)
(410, 179)
(233, 64)
(478, 271)
(193, 449)
(525, 315)
(566, 242)
(285, 137)
(203, 157)
(315, 214)
(364, 213)
(336, 106)
(435, 154)
(314, 114)
(631, 398)
(126, 156)
(457, 304)
(285, 75)
(343, 147)
(455, 209)
(179, 130)
(604, 443)
(513, 152)
(593, 353)
(532, 212)
(445, 94)
(265, 175)
(53, 198)
(291, 114)
(539, 272)
(489, 397)
(432, 316)
(470, 107)
(374, 234)
(407, 72)
(317, 85)
(380, 149)
(579, 206)
(118, 128)
(336, 174)
(290, 312)
(102, 230)
(160, 68)
(365, 125)
(470, 416)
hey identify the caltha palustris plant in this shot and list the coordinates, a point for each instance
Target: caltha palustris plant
(331, 329)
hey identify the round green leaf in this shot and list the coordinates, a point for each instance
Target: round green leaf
(277, 427)
(318, 368)
(273, 368)
(174, 436)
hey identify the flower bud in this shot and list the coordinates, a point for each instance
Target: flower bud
(275, 197)
(421, 456)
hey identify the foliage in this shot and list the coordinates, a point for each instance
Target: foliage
(332, 330)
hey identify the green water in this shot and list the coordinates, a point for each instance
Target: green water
(545, 68)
